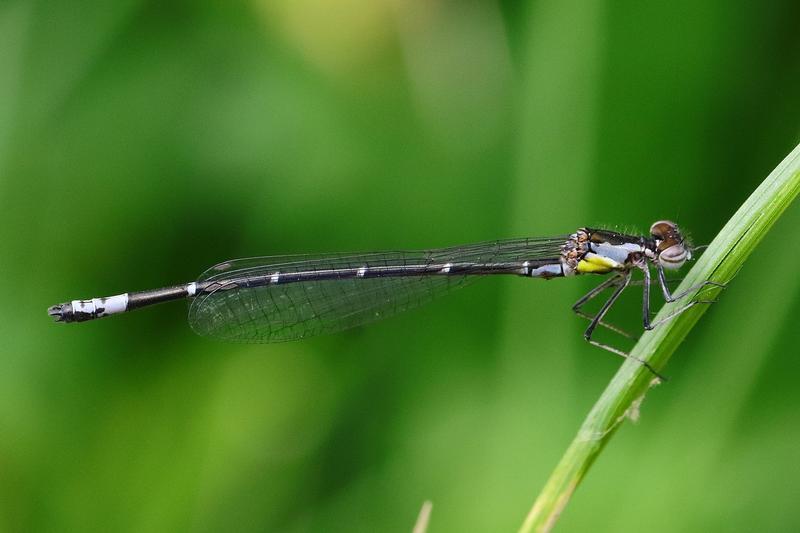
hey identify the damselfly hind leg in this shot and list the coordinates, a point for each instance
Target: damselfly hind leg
(577, 307)
(621, 282)
(612, 282)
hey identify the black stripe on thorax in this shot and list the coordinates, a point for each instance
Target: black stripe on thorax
(598, 236)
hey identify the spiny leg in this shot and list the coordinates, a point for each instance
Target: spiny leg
(626, 279)
(628, 356)
(603, 310)
(680, 310)
(650, 281)
(610, 282)
(669, 297)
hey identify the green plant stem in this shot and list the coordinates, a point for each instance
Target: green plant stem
(620, 400)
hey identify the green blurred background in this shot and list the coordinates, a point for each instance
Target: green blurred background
(141, 143)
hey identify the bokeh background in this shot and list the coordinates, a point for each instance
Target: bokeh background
(141, 142)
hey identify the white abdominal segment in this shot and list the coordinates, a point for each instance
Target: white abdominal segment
(100, 307)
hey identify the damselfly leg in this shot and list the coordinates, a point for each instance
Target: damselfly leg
(621, 282)
(612, 282)
(577, 307)
(669, 297)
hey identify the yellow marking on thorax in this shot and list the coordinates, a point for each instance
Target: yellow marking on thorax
(596, 264)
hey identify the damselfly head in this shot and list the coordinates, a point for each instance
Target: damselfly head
(671, 249)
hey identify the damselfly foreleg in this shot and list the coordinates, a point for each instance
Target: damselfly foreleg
(669, 297)
(648, 325)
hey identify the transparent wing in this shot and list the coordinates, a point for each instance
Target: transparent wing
(236, 309)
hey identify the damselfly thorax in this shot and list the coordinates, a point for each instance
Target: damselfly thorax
(272, 299)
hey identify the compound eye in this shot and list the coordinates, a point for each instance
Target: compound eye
(664, 229)
(673, 257)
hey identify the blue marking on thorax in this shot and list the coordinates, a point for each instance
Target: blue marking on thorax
(616, 252)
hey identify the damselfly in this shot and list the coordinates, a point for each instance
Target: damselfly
(272, 299)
